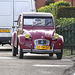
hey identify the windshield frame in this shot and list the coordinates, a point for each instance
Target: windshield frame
(38, 17)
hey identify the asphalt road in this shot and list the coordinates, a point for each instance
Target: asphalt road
(35, 64)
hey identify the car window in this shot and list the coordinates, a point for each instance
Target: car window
(21, 22)
(38, 21)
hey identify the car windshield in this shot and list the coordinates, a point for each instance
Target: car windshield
(38, 21)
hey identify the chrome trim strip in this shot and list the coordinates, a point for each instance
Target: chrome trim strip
(47, 42)
(42, 51)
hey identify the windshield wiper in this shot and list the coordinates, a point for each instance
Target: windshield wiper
(47, 23)
(38, 23)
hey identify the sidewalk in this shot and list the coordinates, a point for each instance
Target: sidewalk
(73, 58)
(5, 48)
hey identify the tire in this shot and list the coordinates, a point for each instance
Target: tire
(51, 54)
(59, 56)
(20, 53)
(14, 51)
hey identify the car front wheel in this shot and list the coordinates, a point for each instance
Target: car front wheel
(20, 53)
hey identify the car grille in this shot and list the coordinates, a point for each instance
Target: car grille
(42, 42)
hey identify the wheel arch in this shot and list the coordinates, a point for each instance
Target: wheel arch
(14, 39)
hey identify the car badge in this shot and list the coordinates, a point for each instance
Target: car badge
(42, 41)
(42, 37)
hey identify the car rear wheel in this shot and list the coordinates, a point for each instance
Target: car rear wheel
(20, 53)
(59, 56)
(14, 51)
(51, 54)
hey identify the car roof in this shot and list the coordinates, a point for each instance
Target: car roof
(36, 14)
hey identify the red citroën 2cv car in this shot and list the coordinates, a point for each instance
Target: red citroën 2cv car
(36, 34)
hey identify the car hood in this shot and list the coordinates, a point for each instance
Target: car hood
(40, 34)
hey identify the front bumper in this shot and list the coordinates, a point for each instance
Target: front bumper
(42, 51)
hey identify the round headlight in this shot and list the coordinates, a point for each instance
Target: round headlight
(56, 36)
(27, 36)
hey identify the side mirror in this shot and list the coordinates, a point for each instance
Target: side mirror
(58, 26)
(13, 26)
(17, 26)
(16, 21)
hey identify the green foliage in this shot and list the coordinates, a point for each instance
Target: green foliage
(48, 2)
(52, 7)
(44, 9)
(67, 12)
(61, 3)
(64, 21)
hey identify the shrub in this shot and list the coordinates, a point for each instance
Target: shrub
(44, 9)
(67, 12)
(61, 3)
(64, 21)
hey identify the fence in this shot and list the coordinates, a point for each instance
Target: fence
(68, 33)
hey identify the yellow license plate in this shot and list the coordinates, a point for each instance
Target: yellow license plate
(43, 47)
(4, 31)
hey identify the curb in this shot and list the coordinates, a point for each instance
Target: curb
(72, 57)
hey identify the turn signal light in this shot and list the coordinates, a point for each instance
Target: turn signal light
(59, 44)
(23, 43)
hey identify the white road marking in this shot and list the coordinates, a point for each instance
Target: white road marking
(66, 59)
(73, 73)
(38, 65)
(7, 58)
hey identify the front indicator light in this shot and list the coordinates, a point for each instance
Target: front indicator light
(59, 44)
(23, 43)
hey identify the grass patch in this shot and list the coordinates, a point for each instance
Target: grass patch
(67, 52)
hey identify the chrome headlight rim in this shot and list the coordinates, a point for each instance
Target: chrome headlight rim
(56, 36)
(27, 36)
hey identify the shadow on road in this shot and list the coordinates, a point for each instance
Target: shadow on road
(39, 58)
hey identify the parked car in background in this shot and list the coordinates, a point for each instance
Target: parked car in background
(36, 34)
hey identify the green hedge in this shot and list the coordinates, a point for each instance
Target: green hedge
(65, 12)
(61, 3)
